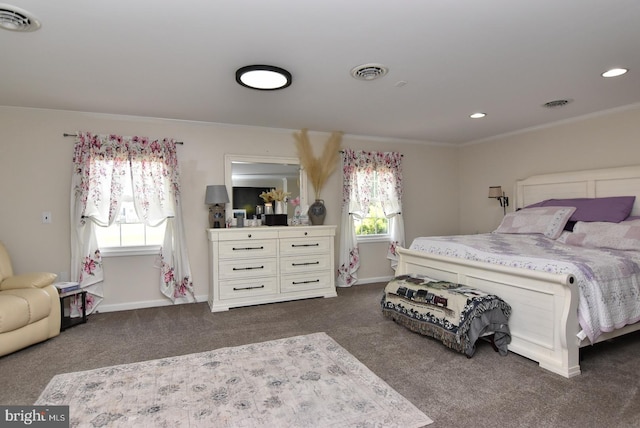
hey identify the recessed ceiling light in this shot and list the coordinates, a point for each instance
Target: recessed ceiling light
(263, 77)
(614, 72)
(15, 19)
(478, 115)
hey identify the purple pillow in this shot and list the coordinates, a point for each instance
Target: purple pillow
(612, 209)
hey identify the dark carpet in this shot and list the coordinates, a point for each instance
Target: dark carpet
(485, 391)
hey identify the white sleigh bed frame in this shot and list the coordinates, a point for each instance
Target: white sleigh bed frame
(544, 321)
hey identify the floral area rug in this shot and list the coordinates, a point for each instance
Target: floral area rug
(302, 381)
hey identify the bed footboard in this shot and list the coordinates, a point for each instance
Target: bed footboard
(544, 320)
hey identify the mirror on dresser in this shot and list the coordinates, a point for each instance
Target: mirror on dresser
(247, 176)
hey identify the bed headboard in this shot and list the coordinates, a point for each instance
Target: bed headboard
(593, 183)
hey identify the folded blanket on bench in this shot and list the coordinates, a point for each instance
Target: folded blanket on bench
(455, 314)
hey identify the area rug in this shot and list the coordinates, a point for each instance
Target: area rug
(302, 381)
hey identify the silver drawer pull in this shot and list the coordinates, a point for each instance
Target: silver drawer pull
(305, 264)
(249, 268)
(247, 248)
(305, 245)
(305, 282)
(247, 288)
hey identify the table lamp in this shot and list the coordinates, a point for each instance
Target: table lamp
(216, 197)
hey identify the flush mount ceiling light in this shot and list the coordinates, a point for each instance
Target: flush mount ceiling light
(369, 71)
(614, 72)
(15, 19)
(478, 115)
(263, 77)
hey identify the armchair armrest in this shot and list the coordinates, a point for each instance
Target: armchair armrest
(28, 280)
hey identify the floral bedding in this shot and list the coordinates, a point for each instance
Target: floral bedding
(616, 236)
(608, 280)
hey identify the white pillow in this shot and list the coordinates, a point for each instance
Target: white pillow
(617, 236)
(549, 221)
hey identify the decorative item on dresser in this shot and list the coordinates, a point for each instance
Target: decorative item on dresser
(318, 169)
(216, 197)
(317, 212)
(266, 265)
(279, 198)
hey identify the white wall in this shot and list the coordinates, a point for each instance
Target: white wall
(606, 140)
(35, 176)
(445, 188)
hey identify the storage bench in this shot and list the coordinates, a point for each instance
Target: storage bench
(454, 314)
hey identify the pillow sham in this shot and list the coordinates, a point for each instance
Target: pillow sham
(616, 236)
(548, 221)
(611, 209)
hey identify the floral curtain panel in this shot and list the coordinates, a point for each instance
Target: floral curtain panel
(359, 171)
(102, 166)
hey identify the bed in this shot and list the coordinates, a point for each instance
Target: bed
(544, 322)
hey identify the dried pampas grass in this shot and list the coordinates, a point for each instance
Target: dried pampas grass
(318, 169)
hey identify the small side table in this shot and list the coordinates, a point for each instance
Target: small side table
(66, 321)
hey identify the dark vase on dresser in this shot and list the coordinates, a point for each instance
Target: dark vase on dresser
(317, 212)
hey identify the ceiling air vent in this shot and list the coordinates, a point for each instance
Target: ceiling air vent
(556, 103)
(369, 71)
(16, 19)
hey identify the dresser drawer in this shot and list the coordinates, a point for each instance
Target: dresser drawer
(305, 281)
(247, 249)
(305, 232)
(236, 269)
(248, 288)
(295, 247)
(311, 262)
(250, 233)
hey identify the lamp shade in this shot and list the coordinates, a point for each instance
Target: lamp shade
(495, 191)
(216, 194)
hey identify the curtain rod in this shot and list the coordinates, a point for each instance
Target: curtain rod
(342, 151)
(75, 135)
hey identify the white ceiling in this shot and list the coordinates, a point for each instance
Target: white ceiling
(177, 60)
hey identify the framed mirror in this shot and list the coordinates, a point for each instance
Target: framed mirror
(247, 176)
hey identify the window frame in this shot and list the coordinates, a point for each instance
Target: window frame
(375, 237)
(128, 250)
(132, 250)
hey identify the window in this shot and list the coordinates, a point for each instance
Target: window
(103, 167)
(127, 230)
(372, 188)
(374, 224)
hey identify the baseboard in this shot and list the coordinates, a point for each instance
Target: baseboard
(166, 302)
(142, 304)
(373, 280)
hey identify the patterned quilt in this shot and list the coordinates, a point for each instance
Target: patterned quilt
(452, 313)
(608, 280)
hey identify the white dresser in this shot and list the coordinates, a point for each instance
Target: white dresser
(254, 265)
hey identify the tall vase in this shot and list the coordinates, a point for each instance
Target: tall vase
(317, 212)
(280, 207)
